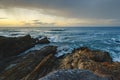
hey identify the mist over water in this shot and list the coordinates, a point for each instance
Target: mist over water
(67, 39)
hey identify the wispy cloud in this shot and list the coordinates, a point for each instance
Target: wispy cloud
(38, 23)
(2, 18)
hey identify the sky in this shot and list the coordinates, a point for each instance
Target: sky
(37, 13)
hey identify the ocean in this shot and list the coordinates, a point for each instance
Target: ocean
(70, 38)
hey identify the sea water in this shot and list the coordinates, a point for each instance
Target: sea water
(69, 38)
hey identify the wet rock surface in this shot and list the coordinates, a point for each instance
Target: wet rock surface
(73, 75)
(30, 66)
(38, 63)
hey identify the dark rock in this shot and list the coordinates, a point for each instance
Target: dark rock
(14, 46)
(37, 64)
(10, 47)
(43, 40)
(30, 66)
(73, 75)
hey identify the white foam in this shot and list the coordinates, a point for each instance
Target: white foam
(63, 50)
(55, 38)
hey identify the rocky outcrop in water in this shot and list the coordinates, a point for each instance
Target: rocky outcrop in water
(10, 47)
(43, 40)
(14, 46)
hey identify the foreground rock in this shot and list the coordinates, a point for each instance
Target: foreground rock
(30, 66)
(37, 64)
(96, 61)
(73, 75)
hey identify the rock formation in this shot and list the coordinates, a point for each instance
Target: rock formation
(31, 65)
(38, 63)
(10, 47)
(14, 46)
(96, 61)
(43, 40)
(73, 75)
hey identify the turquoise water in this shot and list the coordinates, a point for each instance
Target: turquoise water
(102, 38)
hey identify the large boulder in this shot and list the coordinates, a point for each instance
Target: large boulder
(73, 75)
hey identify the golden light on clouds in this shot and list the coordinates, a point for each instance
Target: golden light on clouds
(10, 23)
(19, 17)
(27, 17)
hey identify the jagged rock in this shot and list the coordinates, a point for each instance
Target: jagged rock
(85, 56)
(37, 64)
(95, 55)
(97, 61)
(73, 75)
(30, 66)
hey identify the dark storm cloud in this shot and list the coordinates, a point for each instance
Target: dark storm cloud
(104, 9)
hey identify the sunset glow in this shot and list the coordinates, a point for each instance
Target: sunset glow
(37, 14)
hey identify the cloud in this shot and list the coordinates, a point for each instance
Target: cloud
(37, 23)
(92, 12)
(104, 9)
(2, 18)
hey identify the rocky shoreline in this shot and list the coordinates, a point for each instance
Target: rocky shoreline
(43, 65)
